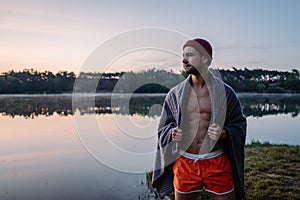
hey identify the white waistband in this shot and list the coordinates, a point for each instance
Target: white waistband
(197, 157)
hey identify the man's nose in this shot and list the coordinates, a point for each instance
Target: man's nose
(185, 61)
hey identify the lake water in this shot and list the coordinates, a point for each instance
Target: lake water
(53, 149)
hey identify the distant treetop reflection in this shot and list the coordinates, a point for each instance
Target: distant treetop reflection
(31, 106)
(258, 105)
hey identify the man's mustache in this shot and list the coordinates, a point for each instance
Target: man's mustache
(186, 63)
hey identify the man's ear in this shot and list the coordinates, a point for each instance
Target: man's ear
(204, 59)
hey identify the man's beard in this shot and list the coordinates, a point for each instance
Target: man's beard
(192, 70)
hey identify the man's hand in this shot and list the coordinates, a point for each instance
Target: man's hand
(215, 132)
(176, 134)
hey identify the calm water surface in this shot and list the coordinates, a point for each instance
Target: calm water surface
(51, 150)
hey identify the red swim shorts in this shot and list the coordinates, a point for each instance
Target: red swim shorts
(212, 173)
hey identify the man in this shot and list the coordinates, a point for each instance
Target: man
(201, 134)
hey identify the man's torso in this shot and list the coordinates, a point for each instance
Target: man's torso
(196, 120)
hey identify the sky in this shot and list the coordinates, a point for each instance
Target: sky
(61, 34)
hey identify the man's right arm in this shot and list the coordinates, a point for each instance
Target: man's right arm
(167, 123)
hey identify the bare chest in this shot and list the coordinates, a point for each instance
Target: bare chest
(199, 102)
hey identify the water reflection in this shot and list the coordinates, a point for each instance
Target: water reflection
(258, 105)
(31, 106)
(34, 105)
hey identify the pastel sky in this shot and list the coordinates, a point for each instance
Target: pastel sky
(60, 34)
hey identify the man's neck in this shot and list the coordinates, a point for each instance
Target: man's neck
(199, 80)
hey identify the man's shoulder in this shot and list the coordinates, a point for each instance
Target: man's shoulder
(176, 91)
(230, 92)
(179, 87)
(229, 89)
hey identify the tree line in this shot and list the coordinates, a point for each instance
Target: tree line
(30, 81)
(259, 80)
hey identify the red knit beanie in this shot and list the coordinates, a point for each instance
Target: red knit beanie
(200, 45)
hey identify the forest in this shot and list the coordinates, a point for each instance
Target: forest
(30, 81)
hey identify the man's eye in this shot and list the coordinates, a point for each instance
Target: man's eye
(187, 55)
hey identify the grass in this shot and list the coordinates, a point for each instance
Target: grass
(271, 172)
